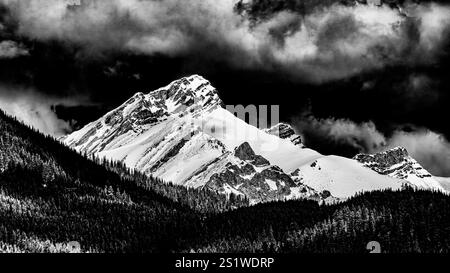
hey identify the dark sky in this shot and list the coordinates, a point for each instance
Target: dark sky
(349, 78)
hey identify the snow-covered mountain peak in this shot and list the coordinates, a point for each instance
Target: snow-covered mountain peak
(385, 159)
(399, 164)
(193, 91)
(182, 134)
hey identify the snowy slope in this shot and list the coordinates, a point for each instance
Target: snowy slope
(444, 181)
(232, 132)
(182, 134)
(342, 177)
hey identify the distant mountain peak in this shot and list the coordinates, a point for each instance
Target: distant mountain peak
(285, 131)
(387, 158)
(397, 163)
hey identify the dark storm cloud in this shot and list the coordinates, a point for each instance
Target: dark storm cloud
(329, 42)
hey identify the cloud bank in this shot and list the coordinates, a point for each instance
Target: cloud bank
(330, 42)
(35, 110)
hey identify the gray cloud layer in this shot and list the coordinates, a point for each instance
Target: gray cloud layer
(330, 43)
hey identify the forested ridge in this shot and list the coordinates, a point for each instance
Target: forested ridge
(407, 221)
(51, 195)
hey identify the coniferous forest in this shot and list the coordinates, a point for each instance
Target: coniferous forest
(50, 195)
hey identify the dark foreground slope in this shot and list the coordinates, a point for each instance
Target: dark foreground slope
(407, 221)
(50, 195)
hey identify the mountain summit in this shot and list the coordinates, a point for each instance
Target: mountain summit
(193, 91)
(182, 134)
(285, 131)
(398, 163)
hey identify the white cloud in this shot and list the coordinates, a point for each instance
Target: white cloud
(35, 110)
(11, 49)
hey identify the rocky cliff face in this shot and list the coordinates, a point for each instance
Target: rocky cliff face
(382, 162)
(245, 152)
(285, 131)
(244, 172)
